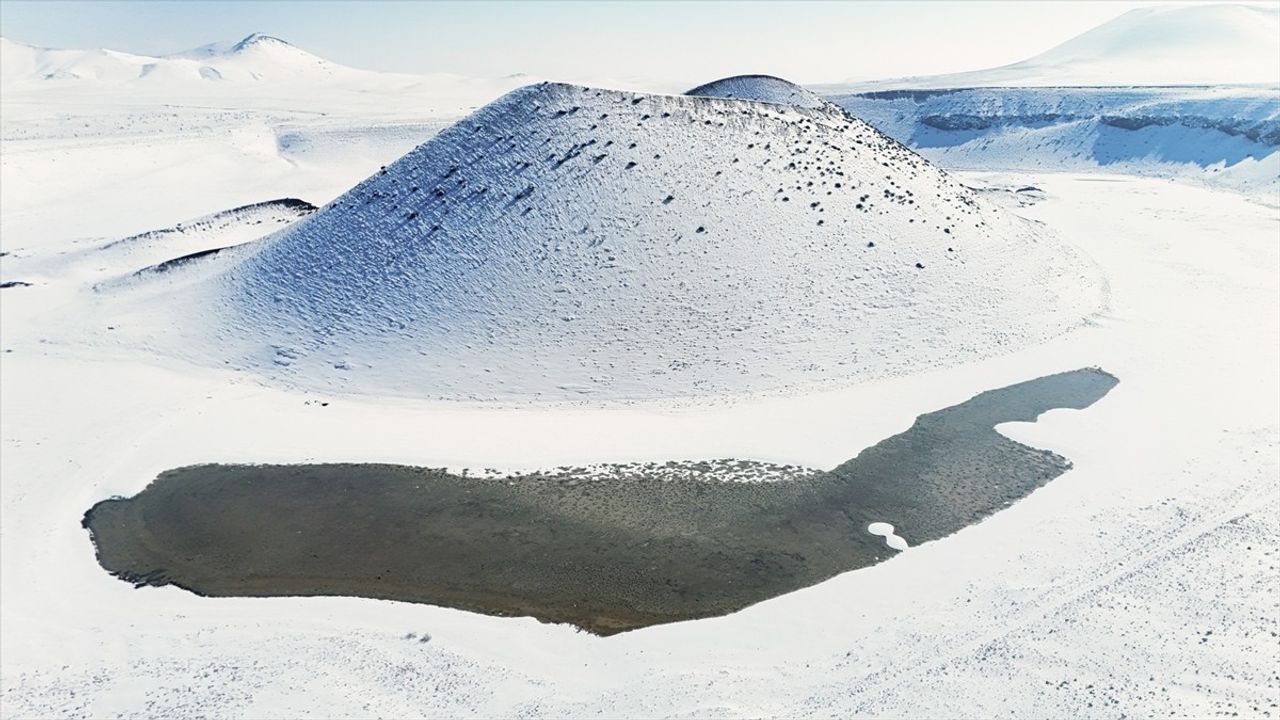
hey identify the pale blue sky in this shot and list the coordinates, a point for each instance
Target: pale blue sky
(685, 41)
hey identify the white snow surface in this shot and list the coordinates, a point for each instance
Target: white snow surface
(1176, 45)
(891, 539)
(569, 243)
(1139, 583)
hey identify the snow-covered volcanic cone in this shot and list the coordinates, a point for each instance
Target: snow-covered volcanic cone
(568, 242)
(761, 88)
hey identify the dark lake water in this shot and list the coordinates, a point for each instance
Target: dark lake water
(606, 551)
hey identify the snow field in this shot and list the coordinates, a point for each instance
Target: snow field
(1101, 587)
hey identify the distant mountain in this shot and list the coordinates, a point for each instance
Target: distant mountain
(257, 58)
(567, 242)
(258, 71)
(1165, 45)
(255, 61)
(257, 43)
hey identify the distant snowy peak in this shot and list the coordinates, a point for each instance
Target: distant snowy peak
(256, 58)
(1154, 46)
(263, 57)
(1181, 45)
(258, 41)
(249, 43)
(257, 47)
(761, 88)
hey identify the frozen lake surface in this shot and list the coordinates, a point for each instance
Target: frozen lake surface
(609, 553)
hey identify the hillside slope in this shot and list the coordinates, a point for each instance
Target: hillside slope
(1168, 45)
(566, 242)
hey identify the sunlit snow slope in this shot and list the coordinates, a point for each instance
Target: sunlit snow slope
(1171, 45)
(1165, 45)
(567, 242)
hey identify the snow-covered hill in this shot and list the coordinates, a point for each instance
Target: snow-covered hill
(119, 260)
(1165, 45)
(760, 88)
(567, 242)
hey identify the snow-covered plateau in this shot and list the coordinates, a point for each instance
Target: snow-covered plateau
(1139, 583)
(1219, 136)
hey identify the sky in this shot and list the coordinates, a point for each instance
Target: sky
(808, 42)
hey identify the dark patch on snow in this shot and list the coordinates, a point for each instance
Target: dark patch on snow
(608, 549)
(178, 262)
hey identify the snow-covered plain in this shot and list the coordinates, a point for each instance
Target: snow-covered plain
(1141, 583)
